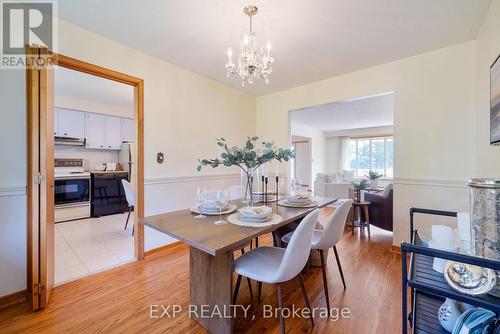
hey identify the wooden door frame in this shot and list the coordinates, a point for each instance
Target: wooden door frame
(34, 93)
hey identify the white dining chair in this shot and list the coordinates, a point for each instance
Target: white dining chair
(275, 265)
(129, 195)
(327, 238)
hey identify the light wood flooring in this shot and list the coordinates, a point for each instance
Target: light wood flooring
(118, 300)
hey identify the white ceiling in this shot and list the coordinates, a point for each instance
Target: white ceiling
(312, 39)
(360, 113)
(79, 86)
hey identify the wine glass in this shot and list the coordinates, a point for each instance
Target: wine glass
(199, 200)
(296, 185)
(221, 200)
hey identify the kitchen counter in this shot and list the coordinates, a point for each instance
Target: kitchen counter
(108, 171)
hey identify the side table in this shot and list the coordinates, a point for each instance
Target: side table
(359, 222)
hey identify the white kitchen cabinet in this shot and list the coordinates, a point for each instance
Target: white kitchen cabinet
(95, 131)
(56, 121)
(128, 129)
(113, 132)
(69, 123)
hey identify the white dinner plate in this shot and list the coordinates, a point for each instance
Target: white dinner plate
(229, 209)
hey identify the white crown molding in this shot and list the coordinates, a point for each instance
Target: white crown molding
(12, 191)
(431, 182)
(191, 178)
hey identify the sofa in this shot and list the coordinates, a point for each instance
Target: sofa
(334, 185)
(380, 208)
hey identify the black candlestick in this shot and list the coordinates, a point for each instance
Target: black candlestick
(265, 192)
(277, 178)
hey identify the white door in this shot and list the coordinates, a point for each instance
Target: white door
(113, 133)
(95, 130)
(303, 162)
(128, 129)
(71, 123)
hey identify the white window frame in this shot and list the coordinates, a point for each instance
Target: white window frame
(370, 139)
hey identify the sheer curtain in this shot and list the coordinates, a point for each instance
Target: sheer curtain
(344, 153)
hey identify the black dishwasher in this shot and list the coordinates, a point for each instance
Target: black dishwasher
(108, 196)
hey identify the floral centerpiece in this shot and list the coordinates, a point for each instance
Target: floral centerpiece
(248, 158)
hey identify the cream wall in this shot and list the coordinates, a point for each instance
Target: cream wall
(183, 113)
(488, 48)
(317, 146)
(434, 118)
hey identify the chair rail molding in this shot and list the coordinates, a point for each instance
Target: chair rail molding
(8, 191)
(431, 182)
(190, 178)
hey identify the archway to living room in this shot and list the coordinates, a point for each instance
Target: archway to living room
(351, 147)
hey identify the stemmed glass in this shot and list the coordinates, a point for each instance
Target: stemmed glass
(296, 185)
(199, 200)
(221, 200)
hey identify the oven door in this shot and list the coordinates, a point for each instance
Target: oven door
(71, 191)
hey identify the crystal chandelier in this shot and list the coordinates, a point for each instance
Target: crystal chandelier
(253, 61)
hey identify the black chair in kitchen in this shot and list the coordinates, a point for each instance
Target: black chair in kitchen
(129, 195)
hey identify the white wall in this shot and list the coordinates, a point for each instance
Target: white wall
(488, 48)
(332, 154)
(434, 118)
(317, 144)
(178, 107)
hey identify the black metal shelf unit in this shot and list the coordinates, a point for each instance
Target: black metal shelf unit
(428, 287)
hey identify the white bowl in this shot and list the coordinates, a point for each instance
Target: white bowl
(255, 212)
(298, 199)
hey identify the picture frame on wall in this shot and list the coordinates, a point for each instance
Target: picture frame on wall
(495, 102)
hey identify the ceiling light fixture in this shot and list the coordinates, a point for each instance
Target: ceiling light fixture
(253, 61)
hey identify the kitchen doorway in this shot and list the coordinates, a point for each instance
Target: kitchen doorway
(43, 189)
(94, 136)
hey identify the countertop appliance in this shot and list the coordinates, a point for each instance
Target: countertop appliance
(108, 196)
(71, 190)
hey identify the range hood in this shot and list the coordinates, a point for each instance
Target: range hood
(69, 141)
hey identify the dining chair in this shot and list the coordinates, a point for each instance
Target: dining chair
(327, 238)
(275, 265)
(129, 195)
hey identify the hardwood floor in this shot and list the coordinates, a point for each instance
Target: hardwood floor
(118, 300)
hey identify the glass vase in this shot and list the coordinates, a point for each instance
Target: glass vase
(247, 178)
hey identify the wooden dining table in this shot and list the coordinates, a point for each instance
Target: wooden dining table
(211, 256)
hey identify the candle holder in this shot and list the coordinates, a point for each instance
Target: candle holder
(266, 180)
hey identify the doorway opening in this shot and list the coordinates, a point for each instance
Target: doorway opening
(94, 136)
(351, 145)
(64, 159)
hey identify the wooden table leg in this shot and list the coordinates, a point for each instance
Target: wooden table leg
(367, 219)
(211, 284)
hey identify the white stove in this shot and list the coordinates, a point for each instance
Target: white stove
(71, 190)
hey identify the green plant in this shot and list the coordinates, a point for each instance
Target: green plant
(361, 185)
(248, 157)
(372, 175)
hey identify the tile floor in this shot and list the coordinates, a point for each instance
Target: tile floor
(86, 246)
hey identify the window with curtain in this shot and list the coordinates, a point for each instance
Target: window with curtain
(375, 154)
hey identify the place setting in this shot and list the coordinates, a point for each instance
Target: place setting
(302, 200)
(212, 203)
(255, 216)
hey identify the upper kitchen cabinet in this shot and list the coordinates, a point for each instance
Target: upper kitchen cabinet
(128, 129)
(95, 130)
(69, 123)
(113, 132)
